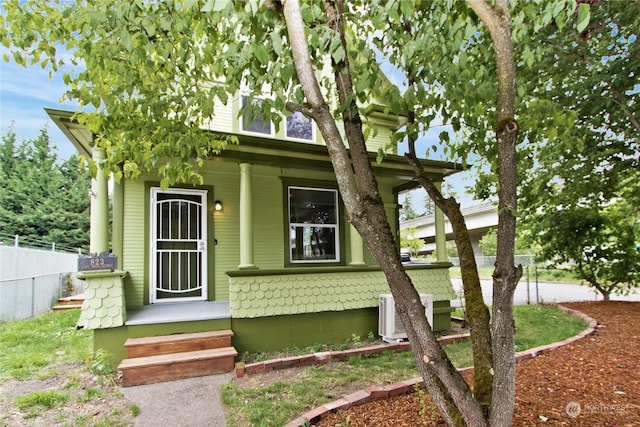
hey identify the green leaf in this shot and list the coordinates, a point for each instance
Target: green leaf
(261, 53)
(276, 41)
(338, 54)
(584, 15)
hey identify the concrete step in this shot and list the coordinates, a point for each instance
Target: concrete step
(169, 367)
(169, 344)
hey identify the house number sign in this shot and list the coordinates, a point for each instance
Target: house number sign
(97, 262)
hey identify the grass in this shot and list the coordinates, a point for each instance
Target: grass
(52, 361)
(259, 402)
(40, 400)
(30, 348)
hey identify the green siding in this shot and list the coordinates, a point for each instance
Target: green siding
(268, 218)
(134, 240)
(278, 332)
(314, 290)
(104, 304)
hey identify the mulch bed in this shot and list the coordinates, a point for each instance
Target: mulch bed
(591, 382)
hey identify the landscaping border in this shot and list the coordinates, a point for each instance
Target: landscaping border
(383, 392)
(328, 356)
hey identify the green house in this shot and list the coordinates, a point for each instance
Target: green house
(262, 248)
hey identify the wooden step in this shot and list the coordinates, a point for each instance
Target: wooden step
(168, 367)
(68, 303)
(168, 344)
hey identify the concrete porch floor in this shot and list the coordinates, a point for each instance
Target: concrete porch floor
(178, 312)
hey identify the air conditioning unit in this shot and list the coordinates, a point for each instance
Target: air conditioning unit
(389, 325)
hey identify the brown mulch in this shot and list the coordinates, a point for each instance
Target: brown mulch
(591, 382)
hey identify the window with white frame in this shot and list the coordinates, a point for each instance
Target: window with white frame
(313, 225)
(252, 119)
(299, 127)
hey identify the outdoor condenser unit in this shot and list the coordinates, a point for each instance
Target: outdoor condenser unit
(389, 325)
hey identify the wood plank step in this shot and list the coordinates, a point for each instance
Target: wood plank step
(73, 299)
(176, 343)
(66, 306)
(169, 367)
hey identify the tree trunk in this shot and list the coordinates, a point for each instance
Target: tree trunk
(366, 212)
(477, 311)
(506, 275)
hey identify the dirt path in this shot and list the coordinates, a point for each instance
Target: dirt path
(592, 382)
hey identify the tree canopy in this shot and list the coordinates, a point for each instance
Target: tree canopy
(153, 70)
(580, 192)
(42, 197)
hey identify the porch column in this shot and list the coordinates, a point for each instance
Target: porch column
(441, 235)
(246, 218)
(99, 221)
(357, 253)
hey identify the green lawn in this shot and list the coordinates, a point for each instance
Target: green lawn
(31, 348)
(261, 401)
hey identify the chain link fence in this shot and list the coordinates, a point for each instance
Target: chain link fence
(34, 275)
(25, 297)
(489, 261)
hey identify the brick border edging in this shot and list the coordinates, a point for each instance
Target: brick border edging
(326, 356)
(382, 392)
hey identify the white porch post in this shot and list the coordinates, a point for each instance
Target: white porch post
(99, 221)
(357, 253)
(246, 218)
(441, 235)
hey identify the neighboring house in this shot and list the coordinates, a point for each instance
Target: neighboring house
(262, 248)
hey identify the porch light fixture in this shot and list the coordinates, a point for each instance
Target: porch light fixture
(218, 205)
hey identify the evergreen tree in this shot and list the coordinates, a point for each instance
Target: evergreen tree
(42, 197)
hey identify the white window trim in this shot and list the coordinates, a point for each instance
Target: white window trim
(335, 226)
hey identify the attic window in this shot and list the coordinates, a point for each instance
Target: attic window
(299, 127)
(253, 121)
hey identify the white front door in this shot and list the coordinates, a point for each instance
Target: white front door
(178, 245)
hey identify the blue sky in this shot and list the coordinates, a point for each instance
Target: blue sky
(24, 93)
